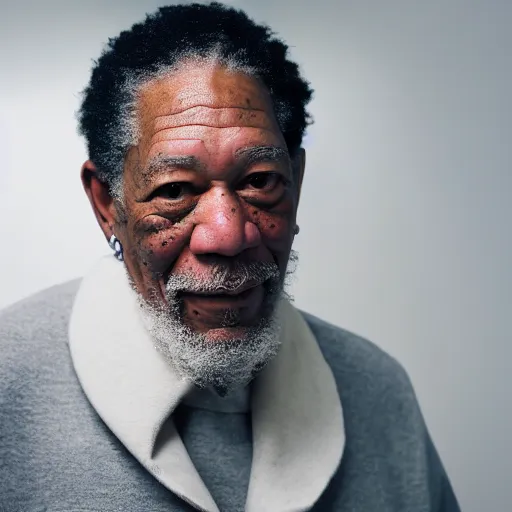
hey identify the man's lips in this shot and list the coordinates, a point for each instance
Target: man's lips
(237, 297)
(238, 292)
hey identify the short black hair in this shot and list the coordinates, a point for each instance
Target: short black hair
(163, 40)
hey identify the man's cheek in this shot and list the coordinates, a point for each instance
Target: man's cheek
(159, 245)
(274, 229)
(275, 225)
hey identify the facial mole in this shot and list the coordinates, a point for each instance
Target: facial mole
(164, 243)
(233, 210)
(196, 312)
(272, 226)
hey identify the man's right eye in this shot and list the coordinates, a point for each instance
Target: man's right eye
(173, 191)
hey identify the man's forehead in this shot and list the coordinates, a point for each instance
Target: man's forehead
(211, 138)
(211, 117)
(180, 93)
(205, 111)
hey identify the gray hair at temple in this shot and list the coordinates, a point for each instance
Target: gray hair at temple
(154, 48)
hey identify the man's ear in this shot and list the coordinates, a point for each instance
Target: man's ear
(299, 164)
(99, 196)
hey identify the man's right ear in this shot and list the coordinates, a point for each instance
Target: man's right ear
(99, 196)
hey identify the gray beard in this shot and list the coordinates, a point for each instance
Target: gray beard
(221, 365)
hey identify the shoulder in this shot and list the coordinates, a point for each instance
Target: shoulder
(382, 418)
(33, 331)
(36, 373)
(367, 377)
(51, 299)
(42, 310)
(351, 354)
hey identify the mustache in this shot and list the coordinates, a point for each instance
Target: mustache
(221, 278)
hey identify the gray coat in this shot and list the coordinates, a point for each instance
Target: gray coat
(57, 455)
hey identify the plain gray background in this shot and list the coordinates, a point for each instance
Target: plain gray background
(405, 213)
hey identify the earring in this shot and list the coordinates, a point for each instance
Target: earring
(116, 246)
(296, 229)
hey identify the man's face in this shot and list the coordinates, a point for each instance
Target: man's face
(210, 199)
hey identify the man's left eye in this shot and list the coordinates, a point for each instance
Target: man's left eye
(264, 180)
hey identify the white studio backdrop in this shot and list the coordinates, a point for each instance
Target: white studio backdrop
(405, 210)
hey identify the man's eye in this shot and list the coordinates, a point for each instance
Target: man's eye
(172, 190)
(264, 180)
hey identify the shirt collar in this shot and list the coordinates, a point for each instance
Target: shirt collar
(297, 421)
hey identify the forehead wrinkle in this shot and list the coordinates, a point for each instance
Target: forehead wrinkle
(208, 107)
(162, 138)
(215, 118)
(190, 125)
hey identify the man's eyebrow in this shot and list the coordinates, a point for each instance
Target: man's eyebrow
(253, 154)
(162, 162)
(248, 155)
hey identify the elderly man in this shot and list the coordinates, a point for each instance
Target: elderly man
(177, 376)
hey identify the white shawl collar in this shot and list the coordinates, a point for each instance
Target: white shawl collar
(297, 419)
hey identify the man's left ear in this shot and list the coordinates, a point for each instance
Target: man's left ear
(299, 164)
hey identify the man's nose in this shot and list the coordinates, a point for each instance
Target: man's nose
(222, 226)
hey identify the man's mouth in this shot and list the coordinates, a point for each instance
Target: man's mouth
(239, 292)
(222, 308)
(221, 297)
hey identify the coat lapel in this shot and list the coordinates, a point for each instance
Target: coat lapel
(298, 430)
(127, 381)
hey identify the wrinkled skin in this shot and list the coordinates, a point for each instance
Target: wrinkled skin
(185, 216)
